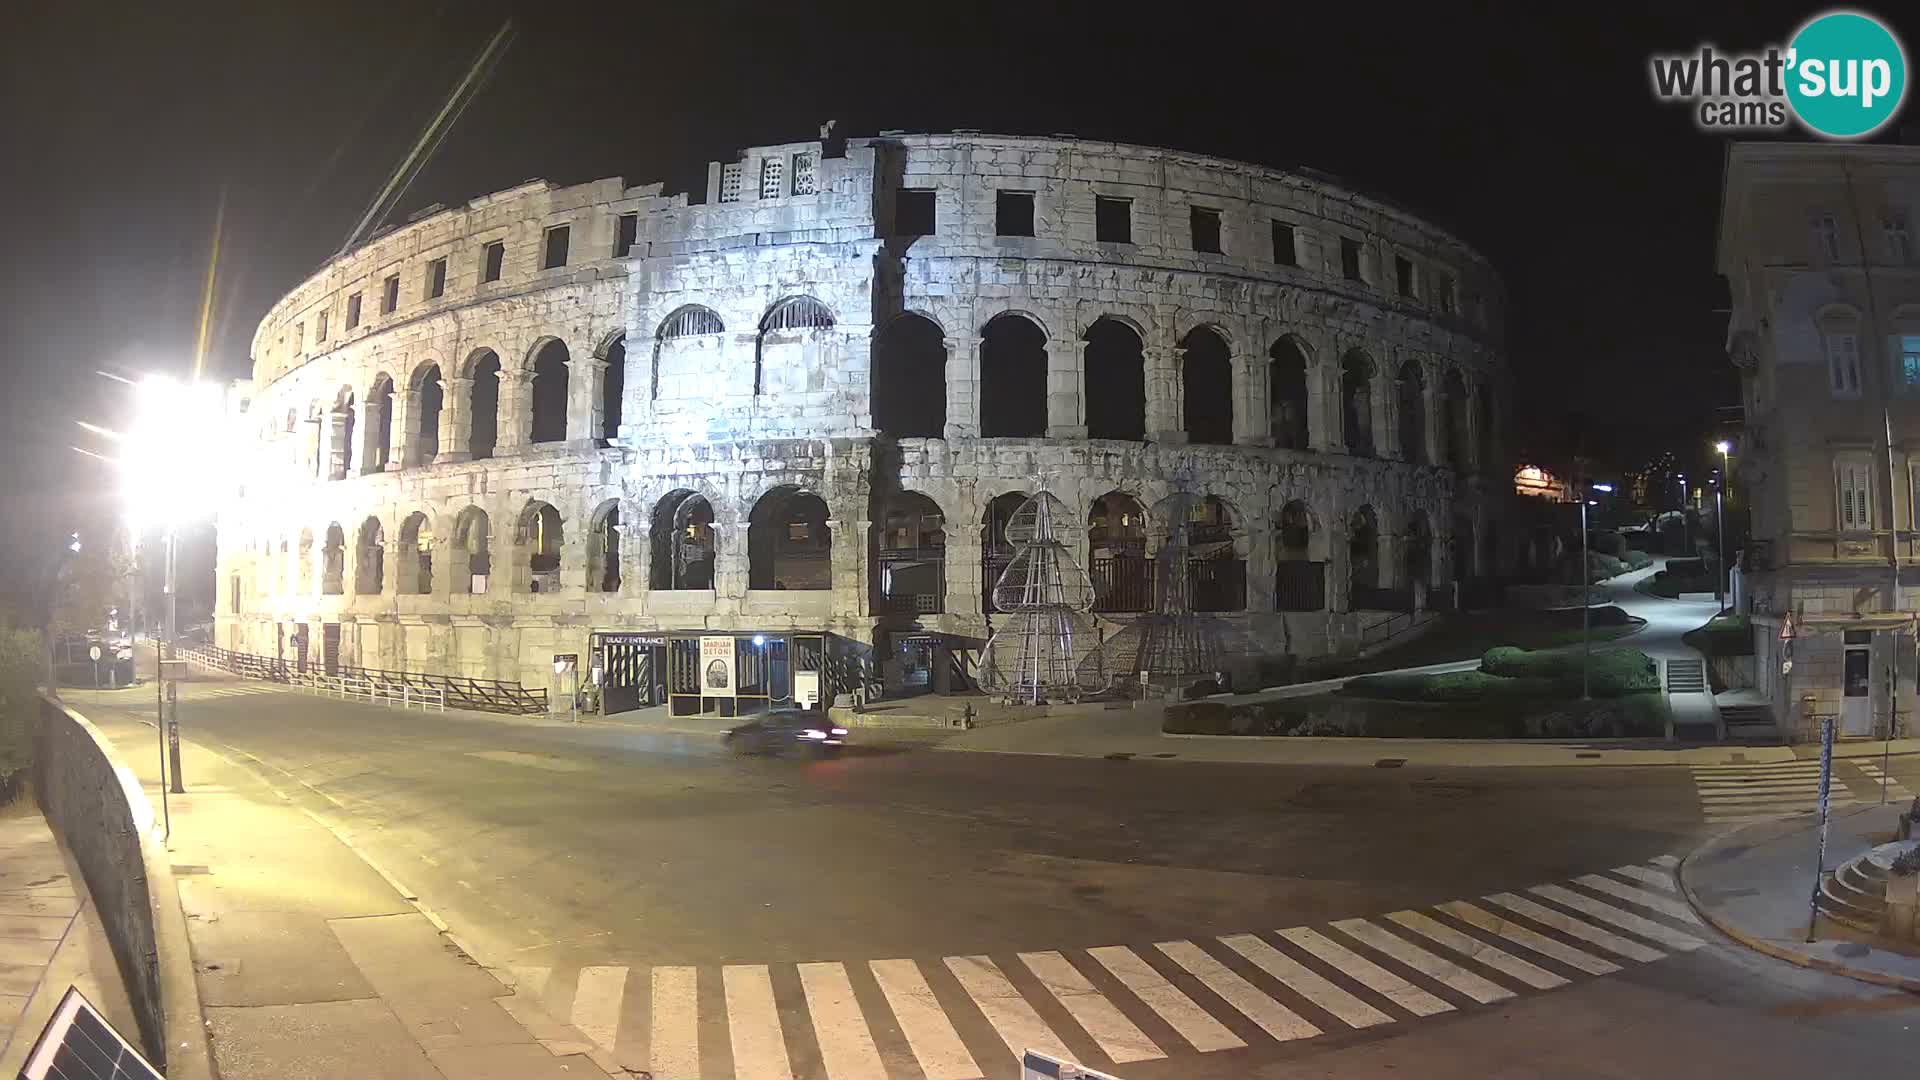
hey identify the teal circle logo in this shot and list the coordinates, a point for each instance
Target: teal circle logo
(1847, 74)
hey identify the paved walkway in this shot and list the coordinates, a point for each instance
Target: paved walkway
(50, 939)
(1666, 621)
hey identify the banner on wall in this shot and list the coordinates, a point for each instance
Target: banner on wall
(716, 666)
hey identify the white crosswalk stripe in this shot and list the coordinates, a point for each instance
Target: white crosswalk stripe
(1119, 1039)
(1764, 791)
(1895, 790)
(1209, 995)
(1664, 862)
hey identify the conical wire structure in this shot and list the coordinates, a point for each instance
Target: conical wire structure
(1048, 649)
(1177, 643)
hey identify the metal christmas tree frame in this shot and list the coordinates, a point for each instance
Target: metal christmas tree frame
(1048, 650)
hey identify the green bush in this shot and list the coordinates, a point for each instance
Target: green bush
(21, 661)
(1452, 686)
(1638, 560)
(1610, 672)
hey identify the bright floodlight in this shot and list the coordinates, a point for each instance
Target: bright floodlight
(174, 456)
(1723, 446)
(1608, 488)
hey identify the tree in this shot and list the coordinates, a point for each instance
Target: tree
(91, 581)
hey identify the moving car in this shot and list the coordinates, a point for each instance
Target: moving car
(783, 730)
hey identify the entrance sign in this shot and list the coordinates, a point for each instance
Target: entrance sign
(716, 666)
(565, 662)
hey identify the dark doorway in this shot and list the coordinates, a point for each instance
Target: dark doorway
(910, 379)
(550, 393)
(1206, 373)
(1116, 382)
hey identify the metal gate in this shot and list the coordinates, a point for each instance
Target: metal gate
(632, 671)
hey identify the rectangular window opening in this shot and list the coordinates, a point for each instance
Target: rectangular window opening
(629, 232)
(1909, 351)
(1350, 258)
(772, 174)
(1843, 364)
(730, 182)
(1205, 223)
(803, 174)
(1403, 274)
(493, 261)
(437, 278)
(1112, 220)
(1826, 233)
(555, 255)
(913, 212)
(390, 295)
(320, 328)
(1013, 213)
(353, 311)
(1284, 252)
(1899, 239)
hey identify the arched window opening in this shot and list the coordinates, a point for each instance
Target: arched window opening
(427, 392)
(333, 561)
(379, 425)
(539, 540)
(370, 559)
(471, 552)
(1300, 581)
(484, 430)
(910, 379)
(1459, 444)
(340, 437)
(1356, 403)
(413, 569)
(1206, 377)
(787, 349)
(1117, 554)
(1287, 395)
(1363, 558)
(789, 544)
(550, 393)
(911, 556)
(1013, 379)
(1419, 552)
(996, 551)
(1216, 573)
(682, 542)
(603, 550)
(303, 581)
(1412, 388)
(1116, 382)
(613, 388)
(691, 321)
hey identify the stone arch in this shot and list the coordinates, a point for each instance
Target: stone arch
(428, 397)
(1356, 402)
(379, 424)
(471, 548)
(1288, 400)
(482, 369)
(333, 556)
(1116, 380)
(539, 537)
(1418, 550)
(547, 420)
(1206, 378)
(996, 551)
(688, 323)
(340, 435)
(789, 541)
(370, 558)
(1117, 553)
(909, 378)
(1013, 377)
(1299, 559)
(1411, 391)
(603, 548)
(909, 556)
(682, 541)
(1216, 551)
(1363, 554)
(413, 562)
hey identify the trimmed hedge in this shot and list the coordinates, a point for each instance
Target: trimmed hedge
(1610, 672)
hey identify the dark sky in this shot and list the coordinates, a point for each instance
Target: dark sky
(1532, 135)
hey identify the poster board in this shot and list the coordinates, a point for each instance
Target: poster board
(717, 676)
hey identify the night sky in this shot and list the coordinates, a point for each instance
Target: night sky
(1534, 137)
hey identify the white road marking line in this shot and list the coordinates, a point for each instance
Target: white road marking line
(1305, 981)
(1367, 973)
(1875, 774)
(1567, 924)
(1625, 920)
(675, 1035)
(1720, 791)
(1274, 1018)
(531, 981)
(1194, 1024)
(753, 1023)
(1665, 905)
(1019, 1026)
(1520, 935)
(846, 1046)
(1479, 951)
(1666, 861)
(1434, 967)
(929, 1033)
(596, 1003)
(1659, 879)
(1117, 1036)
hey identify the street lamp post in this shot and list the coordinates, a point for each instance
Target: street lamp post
(1586, 591)
(1720, 527)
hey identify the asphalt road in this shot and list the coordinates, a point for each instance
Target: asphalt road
(568, 850)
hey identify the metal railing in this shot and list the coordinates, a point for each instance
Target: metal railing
(406, 688)
(1299, 585)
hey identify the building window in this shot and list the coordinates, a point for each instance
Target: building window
(1907, 346)
(1112, 220)
(730, 182)
(1899, 238)
(803, 174)
(629, 232)
(353, 311)
(1013, 213)
(1403, 274)
(1856, 496)
(299, 337)
(1843, 364)
(772, 172)
(1284, 251)
(1443, 290)
(1350, 259)
(555, 252)
(320, 328)
(1913, 495)
(1206, 229)
(913, 212)
(1826, 237)
(437, 278)
(390, 295)
(493, 259)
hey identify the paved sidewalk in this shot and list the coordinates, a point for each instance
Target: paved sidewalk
(1754, 884)
(50, 938)
(312, 963)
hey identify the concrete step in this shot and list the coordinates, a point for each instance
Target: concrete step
(1686, 676)
(1848, 907)
(1864, 895)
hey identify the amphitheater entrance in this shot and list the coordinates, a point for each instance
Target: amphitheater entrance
(632, 670)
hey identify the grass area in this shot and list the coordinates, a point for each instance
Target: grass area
(1640, 714)
(1470, 634)
(1723, 635)
(1508, 673)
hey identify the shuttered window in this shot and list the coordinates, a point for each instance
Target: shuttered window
(1856, 496)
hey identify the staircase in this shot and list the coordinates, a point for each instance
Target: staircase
(1750, 724)
(1855, 895)
(1686, 676)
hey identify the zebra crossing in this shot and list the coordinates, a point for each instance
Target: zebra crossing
(970, 1017)
(193, 692)
(1739, 794)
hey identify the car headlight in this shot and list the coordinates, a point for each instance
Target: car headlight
(839, 731)
(813, 733)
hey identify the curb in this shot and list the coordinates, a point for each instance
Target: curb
(1796, 957)
(189, 1056)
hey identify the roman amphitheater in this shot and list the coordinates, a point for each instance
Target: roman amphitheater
(613, 423)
